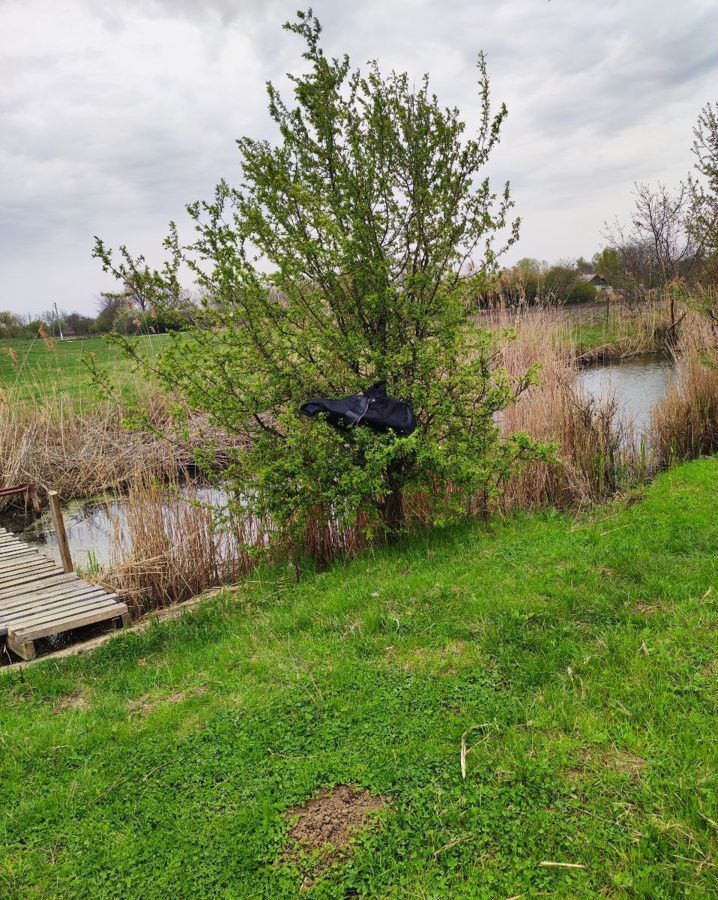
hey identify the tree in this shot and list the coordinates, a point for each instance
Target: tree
(658, 247)
(339, 261)
(703, 221)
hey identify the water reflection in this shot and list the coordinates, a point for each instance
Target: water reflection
(637, 384)
(90, 527)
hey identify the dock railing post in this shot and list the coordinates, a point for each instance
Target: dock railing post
(33, 498)
(59, 524)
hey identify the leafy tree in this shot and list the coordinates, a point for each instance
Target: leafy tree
(338, 261)
(704, 189)
(607, 264)
(10, 324)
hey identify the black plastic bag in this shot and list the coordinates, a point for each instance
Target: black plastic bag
(373, 408)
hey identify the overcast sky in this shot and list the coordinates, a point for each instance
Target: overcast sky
(114, 115)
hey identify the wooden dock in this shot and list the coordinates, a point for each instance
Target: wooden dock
(39, 598)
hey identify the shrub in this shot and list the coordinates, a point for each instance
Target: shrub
(362, 217)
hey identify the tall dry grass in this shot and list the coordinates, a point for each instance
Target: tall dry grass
(82, 451)
(170, 544)
(685, 424)
(594, 452)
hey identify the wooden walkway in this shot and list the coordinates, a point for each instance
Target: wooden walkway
(38, 598)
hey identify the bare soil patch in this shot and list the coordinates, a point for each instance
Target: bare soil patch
(628, 763)
(646, 609)
(146, 704)
(73, 701)
(325, 824)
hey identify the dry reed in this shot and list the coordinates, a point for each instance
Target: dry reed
(82, 451)
(684, 424)
(169, 544)
(595, 453)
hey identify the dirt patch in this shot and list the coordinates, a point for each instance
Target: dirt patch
(628, 763)
(324, 826)
(646, 609)
(146, 704)
(73, 701)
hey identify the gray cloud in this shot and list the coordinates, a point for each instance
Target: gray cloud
(113, 116)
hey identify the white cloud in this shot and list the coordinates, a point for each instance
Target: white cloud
(112, 116)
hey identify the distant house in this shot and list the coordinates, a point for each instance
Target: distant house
(596, 280)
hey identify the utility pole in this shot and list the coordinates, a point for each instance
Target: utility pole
(59, 322)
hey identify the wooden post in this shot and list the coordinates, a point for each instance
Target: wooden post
(60, 530)
(33, 497)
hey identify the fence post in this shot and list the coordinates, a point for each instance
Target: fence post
(60, 530)
(34, 499)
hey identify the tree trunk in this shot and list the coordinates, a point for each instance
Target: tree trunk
(391, 507)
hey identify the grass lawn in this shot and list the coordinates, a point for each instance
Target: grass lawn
(586, 649)
(36, 370)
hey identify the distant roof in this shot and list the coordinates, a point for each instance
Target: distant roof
(593, 278)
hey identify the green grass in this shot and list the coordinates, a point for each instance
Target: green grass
(36, 370)
(162, 764)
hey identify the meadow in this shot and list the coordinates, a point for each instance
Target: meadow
(45, 370)
(575, 656)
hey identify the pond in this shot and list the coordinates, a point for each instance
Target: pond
(90, 527)
(637, 384)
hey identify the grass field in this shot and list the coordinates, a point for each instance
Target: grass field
(36, 370)
(582, 653)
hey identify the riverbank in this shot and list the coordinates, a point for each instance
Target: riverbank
(153, 538)
(576, 657)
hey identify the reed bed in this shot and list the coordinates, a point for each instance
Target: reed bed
(169, 545)
(598, 332)
(594, 452)
(685, 424)
(81, 451)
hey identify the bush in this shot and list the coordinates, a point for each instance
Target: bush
(364, 214)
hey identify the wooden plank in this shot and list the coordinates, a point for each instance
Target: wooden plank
(21, 551)
(28, 586)
(36, 600)
(31, 592)
(54, 611)
(7, 565)
(7, 547)
(77, 620)
(25, 635)
(21, 579)
(24, 649)
(13, 551)
(54, 624)
(25, 568)
(7, 562)
(36, 587)
(38, 560)
(8, 543)
(13, 562)
(22, 620)
(26, 573)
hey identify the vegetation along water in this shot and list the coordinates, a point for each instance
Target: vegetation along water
(473, 660)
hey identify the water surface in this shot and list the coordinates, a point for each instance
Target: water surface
(637, 384)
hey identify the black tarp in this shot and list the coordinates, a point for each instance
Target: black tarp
(373, 408)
